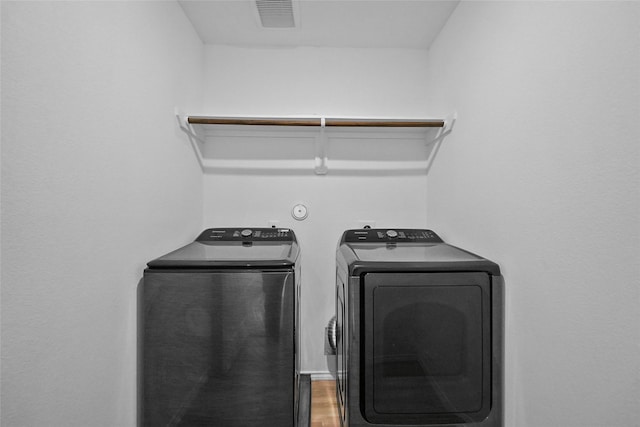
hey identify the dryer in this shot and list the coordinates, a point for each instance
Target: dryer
(218, 331)
(419, 332)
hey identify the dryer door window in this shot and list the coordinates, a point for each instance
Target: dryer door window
(427, 348)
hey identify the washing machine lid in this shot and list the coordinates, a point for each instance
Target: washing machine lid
(234, 248)
(396, 250)
(412, 252)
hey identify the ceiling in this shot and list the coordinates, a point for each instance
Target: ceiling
(410, 24)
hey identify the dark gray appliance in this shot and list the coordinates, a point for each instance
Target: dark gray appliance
(219, 340)
(419, 332)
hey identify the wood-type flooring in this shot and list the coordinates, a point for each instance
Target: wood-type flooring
(324, 408)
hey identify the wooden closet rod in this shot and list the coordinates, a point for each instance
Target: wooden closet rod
(314, 122)
(252, 121)
(400, 123)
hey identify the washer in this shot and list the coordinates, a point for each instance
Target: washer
(419, 332)
(219, 342)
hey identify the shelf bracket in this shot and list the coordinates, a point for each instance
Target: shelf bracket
(321, 150)
(447, 127)
(183, 122)
(194, 138)
(445, 130)
(449, 121)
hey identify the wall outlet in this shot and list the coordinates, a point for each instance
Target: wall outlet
(366, 223)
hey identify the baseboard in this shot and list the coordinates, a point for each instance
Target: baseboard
(320, 375)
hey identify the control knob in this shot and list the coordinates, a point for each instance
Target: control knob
(392, 234)
(246, 232)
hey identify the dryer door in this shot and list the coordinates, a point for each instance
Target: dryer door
(426, 347)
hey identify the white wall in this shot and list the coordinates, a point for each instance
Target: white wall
(325, 82)
(96, 180)
(315, 81)
(541, 174)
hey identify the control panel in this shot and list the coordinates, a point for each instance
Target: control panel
(383, 235)
(246, 235)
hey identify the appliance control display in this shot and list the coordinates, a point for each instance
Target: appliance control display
(246, 235)
(404, 235)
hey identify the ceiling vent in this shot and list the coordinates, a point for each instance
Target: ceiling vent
(276, 13)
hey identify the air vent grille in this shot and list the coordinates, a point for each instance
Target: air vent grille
(276, 13)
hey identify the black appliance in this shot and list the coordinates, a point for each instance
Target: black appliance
(218, 333)
(419, 332)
